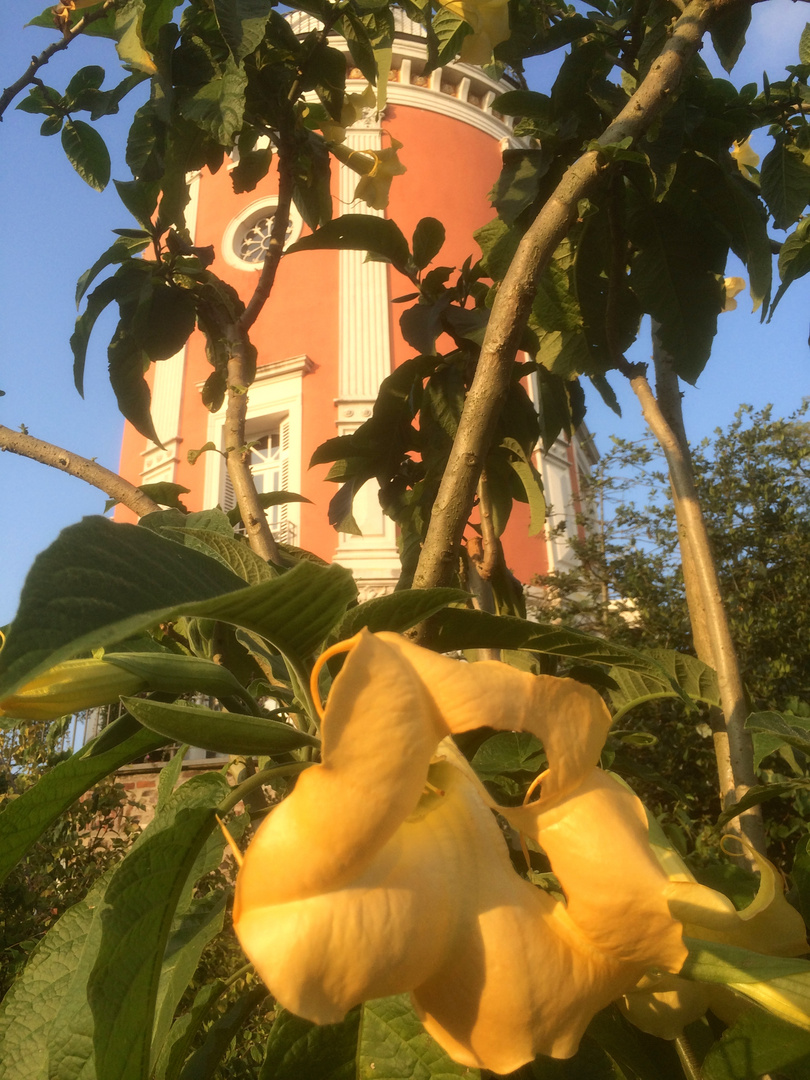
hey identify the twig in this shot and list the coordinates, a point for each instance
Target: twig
(513, 301)
(37, 62)
(90, 471)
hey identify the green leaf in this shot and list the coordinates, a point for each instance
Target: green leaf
(299, 1050)
(126, 363)
(184, 1031)
(450, 31)
(760, 794)
(125, 247)
(780, 985)
(794, 261)
(86, 78)
(804, 45)
(458, 628)
(756, 1044)
(25, 818)
(518, 185)
(87, 153)
(674, 279)
(136, 917)
(697, 679)
(509, 752)
(728, 35)
(242, 23)
(393, 1045)
(359, 232)
(198, 925)
(129, 34)
(792, 730)
(140, 198)
(205, 1061)
(98, 300)
(428, 239)
(531, 482)
(222, 732)
(101, 582)
(32, 1005)
(164, 320)
(785, 183)
(397, 612)
(217, 107)
(170, 673)
(234, 553)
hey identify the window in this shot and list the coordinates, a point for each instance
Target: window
(247, 237)
(270, 464)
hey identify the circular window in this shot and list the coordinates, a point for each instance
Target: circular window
(247, 237)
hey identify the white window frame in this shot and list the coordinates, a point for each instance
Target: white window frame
(245, 220)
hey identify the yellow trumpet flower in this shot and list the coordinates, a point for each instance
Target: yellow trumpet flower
(769, 925)
(69, 688)
(385, 871)
(490, 22)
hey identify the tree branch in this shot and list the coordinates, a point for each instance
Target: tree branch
(278, 236)
(90, 471)
(733, 747)
(513, 301)
(237, 455)
(37, 62)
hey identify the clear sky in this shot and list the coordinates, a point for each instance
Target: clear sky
(54, 227)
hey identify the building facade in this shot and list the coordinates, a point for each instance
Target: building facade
(329, 333)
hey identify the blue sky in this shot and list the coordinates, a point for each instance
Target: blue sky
(54, 227)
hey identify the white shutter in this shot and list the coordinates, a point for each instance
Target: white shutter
(284, 527)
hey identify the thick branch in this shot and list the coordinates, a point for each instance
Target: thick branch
(90, 471)
(237, 455)
(278, 236)
(513, 302)
(37, 62)
(733, 744)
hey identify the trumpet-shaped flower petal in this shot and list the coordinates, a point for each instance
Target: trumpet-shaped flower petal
(769, 925)
(490, 22)
(68, 688)
(385, 871)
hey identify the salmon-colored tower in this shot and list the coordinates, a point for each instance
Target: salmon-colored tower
(329, 334)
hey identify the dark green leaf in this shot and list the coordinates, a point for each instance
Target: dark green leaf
(87, 153)
(221, 732)
(397, 612)
(125, 247)
(205, 1061)
(31, 1007)
(136, 918)
(458, 628)
(728, 35)
(756, 796)
(428, 238)
(25, 818)
(140, 198)
(242, 23)
(178, 1043)
(785, 183)
(173, 673)
(268, 499)
(756, 1044)
(697, 679)
(86, 78)
(102, 582)
(193, 929)
(299, 1050)
(393, 1045)
(97, 301)
(518, 185)
(508, 752)
(359, 232)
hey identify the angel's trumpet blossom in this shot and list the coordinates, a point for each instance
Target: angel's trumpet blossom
(386, 871)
